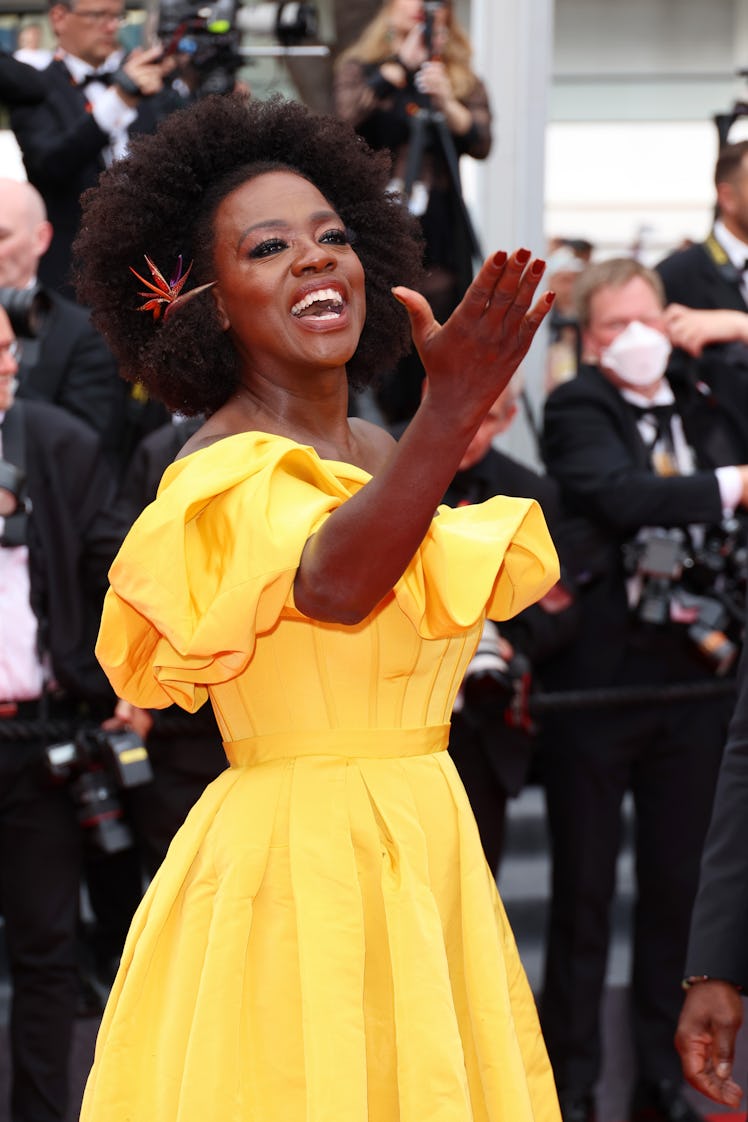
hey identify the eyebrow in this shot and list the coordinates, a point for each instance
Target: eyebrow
(280, 223)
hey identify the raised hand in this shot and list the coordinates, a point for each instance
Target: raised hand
(470, 359)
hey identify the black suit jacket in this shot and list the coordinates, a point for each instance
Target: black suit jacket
(694, 278)
(62, 149)
(592, 447)
(70, 365)
(702, 276)
(718, 943)
(148, 463)
(19, 84)
(73, 537)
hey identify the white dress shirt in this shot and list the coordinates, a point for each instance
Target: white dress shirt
(21, 672)
(108, 109)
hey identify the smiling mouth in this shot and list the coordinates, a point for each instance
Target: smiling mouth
(324, 303)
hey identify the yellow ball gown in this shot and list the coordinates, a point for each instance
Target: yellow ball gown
(324, 941)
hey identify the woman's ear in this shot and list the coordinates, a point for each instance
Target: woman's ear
(223, 318)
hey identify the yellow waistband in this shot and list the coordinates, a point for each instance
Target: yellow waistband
(369, 744)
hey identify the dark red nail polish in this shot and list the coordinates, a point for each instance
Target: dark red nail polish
(523, 256)
(549, 298)
(537, 267)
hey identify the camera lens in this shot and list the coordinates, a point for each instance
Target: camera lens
(26, 308)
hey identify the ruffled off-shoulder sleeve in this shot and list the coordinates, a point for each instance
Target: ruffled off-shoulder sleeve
(494, 558)
(210, 565)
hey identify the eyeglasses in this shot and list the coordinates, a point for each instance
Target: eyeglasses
(13, 350)
(99, 16)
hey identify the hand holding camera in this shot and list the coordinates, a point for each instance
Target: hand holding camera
(141, 74)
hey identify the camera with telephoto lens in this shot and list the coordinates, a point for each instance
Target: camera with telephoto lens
(208, 36)
(26, 309)
(494, 684)
(96, 764)
(695, 582)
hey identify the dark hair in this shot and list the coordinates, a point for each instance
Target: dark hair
(160, 201)
(729, 160)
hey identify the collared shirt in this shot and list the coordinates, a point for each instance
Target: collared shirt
(21, 672)
(728, 478)
(736, 250)
(108, 109)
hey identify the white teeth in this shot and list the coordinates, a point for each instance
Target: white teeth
(316, 297)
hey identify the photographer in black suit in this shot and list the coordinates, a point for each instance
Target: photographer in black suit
(54, 556)
(95, 99)
(652, 459)
(67, 362)
(713, 275)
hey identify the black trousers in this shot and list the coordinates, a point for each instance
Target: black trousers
(668, 757)
(184, 762)
(183, 766)
(39, 894)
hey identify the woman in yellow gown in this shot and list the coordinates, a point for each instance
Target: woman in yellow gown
(324, 941)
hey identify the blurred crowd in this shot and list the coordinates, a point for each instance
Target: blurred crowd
(644, 483)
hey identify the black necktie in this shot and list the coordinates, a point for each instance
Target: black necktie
(660, 414)
(662, 448)
(106, 78)
(103, 76)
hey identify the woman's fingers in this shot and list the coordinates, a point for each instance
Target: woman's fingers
(496, 319)
(422, 322)
(480, 292)
(505, 286)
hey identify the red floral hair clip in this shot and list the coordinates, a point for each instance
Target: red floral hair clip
(163, 292)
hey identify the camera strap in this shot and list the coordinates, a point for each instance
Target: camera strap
(721, 262)
(14, 451)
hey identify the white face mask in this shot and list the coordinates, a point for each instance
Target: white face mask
(638, 356)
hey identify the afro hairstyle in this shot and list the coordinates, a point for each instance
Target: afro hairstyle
(160, 201)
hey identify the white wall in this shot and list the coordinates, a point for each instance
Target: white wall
(11, 164)
(629, 186)
(631, 140)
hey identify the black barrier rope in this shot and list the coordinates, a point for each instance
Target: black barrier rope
(173, 727)
(55, 729)
(51, 731)
(630, 695)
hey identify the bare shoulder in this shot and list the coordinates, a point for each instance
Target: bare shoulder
(226, 421)
(375, 442)
(200, 439)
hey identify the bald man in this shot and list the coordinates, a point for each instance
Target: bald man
(68, 363)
